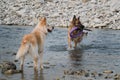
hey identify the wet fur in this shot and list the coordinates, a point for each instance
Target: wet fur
(75, 22)
(33, 44)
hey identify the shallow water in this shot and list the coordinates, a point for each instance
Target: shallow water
(99, 51)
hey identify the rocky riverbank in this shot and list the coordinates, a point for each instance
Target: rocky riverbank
(93, 13)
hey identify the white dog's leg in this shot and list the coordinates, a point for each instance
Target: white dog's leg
(34, 54)
(36, 63)
(22, 62)
(41, 60)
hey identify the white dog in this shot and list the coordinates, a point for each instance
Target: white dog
(33, 44)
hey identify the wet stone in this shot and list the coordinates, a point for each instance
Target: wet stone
(15, 60)
(14, 53)
(9, 68)
(94, 74)
(12, 71)
(66, 72)
(30, 66)
(108, 77)
(100, 74)
(46, 63)
(52, 65)
(8, 52)
(108, 71)
(2, 79)
(117, 77)
(63, 76)
(90, 79)
(46, 67)
(78, 72)
(87, 74)
(28, 63)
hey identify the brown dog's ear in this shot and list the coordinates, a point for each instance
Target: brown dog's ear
(74, 18)
(79, 18)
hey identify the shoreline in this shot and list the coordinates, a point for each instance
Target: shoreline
(57, 26)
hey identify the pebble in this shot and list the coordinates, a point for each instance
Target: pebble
(90, 75)
(117, 77)
(87, 74)
(2, 79)
(30, 66)
(12, 71)
(14, 53)
(15, 60)
(46, 67)
(46, 63)
(108, 71)
(93, 13)
(100, 74)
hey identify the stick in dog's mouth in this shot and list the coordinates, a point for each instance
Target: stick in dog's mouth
(87, 29)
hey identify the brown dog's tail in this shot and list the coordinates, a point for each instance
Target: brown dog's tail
(22, 50)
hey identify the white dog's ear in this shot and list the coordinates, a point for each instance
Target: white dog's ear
(39, 18)
(42, 21)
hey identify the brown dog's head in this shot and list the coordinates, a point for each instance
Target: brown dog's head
(76, 23)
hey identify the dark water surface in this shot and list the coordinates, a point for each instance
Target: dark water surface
(99, 51)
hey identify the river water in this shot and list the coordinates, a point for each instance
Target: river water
(99, 51)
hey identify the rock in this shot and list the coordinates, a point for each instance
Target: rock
(30, 66)
(14, 54)
(84, 1)
(46, 63)
(66, 72)
(100, 74)
(116, 77)
(87, 74)
(93, 13)
(12, 71)
(108, 71)
(2, 79)
(9, 68)
(46, 67)
(15, 60)
(93, 1)
(115, 5)
(93, 74)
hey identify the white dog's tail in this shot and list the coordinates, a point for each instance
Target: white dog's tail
(22, 50)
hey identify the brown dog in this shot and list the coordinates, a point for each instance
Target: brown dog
(75, 23)
(33, 44)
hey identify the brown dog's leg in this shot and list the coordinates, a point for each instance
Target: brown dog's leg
(75, 44)
(69, 42)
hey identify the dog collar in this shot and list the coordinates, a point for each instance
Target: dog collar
(77, 35)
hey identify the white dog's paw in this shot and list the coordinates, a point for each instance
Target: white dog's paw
(41, 67)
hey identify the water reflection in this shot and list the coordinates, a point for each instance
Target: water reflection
(41, 75)
(22, 76)
(37, 75)
(76, 57)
